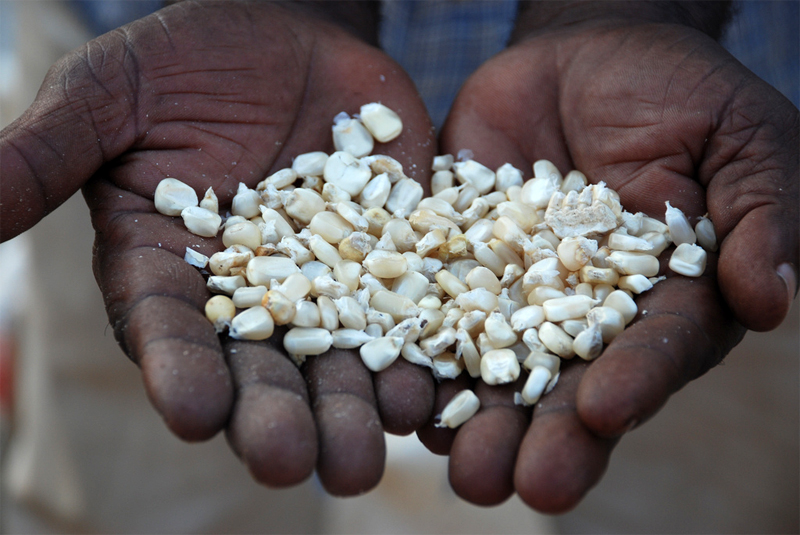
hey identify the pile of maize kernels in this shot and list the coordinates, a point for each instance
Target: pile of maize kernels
(489, 275)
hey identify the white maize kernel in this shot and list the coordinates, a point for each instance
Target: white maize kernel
(688, 259)
(385, 264)
(468, 352)
(220, 310)
(477, 299)
(307, 341)
(588, 344)
(382, 319)
(306, 314)
(281, 226)
(201, 221)
(446, 366)
(413, 354)
(596, 275)
(225, 284)
(280, 179)
(173, 196)
(347, 172)
(482, 277)
(439, 342)
(575, 252)
(262, 269)
(434, 319)
(475, 174)
(376, 192)
(706, 235)
(404, 197)
(629, 263)
(248, 296)
(568, 307)
(556, 340)
(303, 204)
(380, 353)
(527, 317)
(574, 181)
(244, 233)
(328, 314)
(441, 181)
(461, 408)
(374, 330)
(413, 285)
(246, 202)
(500, 333)
(351, 315)
(506, 176)
(680, 230)
(349, 135)
(383, 123)
(408, 329)
(310, 164)
(622, 241)
(535, 385)
(610, 321)
(324, 251)
(499, 366)
(210, 201)
(279, 306)
(634, 283)
(195, 258)
(255, 323)
(330, 226)
(546, 360)
(442, 162)
(327, 286)
(623, 303)
(395, 305)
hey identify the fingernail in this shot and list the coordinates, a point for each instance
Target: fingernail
(786, 273)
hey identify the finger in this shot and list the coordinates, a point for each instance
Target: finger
(682, 330)
(559, 459)
(754, 187)
(405, 395)
(484, 451)
(439, 440)
(352, 450)
(271, 427)
(155, 300)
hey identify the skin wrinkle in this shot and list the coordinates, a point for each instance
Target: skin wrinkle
(165, 26)
(37, 181)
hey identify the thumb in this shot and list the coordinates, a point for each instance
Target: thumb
(81, 118)
(753, 201)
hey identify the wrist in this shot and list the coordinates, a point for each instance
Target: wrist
(535, 17)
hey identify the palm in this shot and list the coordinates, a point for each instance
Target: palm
(215, 95)
(658, 113)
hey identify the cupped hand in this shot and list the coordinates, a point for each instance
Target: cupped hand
(659, 112)
(216, 94)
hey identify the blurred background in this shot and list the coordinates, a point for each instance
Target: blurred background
(83, 452)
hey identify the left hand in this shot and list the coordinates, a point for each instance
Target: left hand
(659, 112)
(217, 94)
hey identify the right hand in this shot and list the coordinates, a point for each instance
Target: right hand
(215, 94)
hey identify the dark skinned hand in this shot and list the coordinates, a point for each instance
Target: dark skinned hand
(216, 94)
(659, 112)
